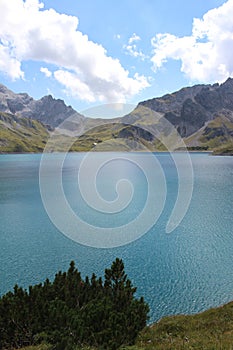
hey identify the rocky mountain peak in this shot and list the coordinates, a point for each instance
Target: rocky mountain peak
(228, 82)
(48, 110)
(190, 108)
(3, 89)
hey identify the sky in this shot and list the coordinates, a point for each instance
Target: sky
(93, 52)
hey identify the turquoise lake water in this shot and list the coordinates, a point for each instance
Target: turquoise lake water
(186, 271)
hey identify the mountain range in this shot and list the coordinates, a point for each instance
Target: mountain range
(202, 115)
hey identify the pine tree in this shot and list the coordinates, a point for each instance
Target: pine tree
(70, 311)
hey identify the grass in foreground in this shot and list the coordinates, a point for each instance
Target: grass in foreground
(209, 330)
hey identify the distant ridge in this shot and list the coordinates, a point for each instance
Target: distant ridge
(202, 115)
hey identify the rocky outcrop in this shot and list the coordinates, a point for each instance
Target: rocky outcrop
(191, 108)
(48, 110)
(136, 133)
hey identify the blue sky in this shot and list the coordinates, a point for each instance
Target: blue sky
(96, 51)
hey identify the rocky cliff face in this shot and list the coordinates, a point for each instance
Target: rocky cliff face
(11, 102)
(191, 108)
(202, 115)
(48, 110)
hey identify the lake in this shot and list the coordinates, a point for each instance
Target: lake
(186, 271)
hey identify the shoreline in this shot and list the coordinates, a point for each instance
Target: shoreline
(210, 152)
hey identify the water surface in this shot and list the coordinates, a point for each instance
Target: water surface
(184, 272)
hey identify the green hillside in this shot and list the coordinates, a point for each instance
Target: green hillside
(216, 136)
(210, 330)
(21, 135)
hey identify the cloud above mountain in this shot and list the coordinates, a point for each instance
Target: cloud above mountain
(131, 47)
(46, 72)
(28, 32)
(207, 54)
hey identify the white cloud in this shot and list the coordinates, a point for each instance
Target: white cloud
(46, 72)
(10, 65)
(133, 51)
(134, 38)
(206, 55)
(131, 48)
(28, 32)
(115, 92)
(75, 86)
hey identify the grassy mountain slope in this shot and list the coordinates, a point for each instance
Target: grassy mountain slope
(20, 135)
(210, 330)
(217, 135)
(114, 136)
